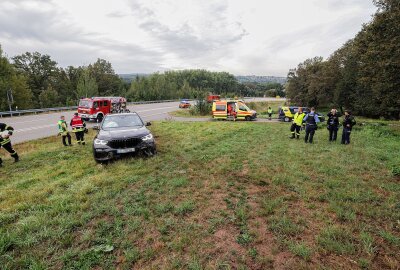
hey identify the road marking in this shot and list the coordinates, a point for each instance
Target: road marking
(34, 128)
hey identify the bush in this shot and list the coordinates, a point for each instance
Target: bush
(201, 107)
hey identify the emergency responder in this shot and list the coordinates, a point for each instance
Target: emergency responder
(269, 111)
(311, 120)
(297, 123)
(63, 131)
(5, 142)
(348, 123)
(78, 127)
(232, 110)
(333, 124)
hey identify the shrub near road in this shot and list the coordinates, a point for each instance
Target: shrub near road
(217, 195)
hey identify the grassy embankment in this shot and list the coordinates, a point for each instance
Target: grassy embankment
(218, 195)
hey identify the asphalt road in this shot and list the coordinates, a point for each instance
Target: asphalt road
(43, 125)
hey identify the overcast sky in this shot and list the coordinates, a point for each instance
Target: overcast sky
(261, 37)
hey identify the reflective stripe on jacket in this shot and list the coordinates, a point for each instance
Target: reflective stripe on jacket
(4, 141)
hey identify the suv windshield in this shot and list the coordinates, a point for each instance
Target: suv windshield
(119, 121)
(85, 103)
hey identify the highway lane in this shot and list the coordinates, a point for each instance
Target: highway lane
(43, 125)
(38, 126)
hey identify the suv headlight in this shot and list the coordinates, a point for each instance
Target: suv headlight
(148, 137)
(101, 142)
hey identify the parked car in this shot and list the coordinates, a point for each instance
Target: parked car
(286, 113)
(184, 104)
(122, 134)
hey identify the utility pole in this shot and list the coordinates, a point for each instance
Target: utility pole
(10, 99)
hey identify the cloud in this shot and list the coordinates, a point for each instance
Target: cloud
(341, 4)
(255, 37)
(117, 14)
(66, 43)
(194, 37)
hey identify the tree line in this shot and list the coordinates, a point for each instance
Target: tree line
(363, 75)
(196, 84)
(36, 81)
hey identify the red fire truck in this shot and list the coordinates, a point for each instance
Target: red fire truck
(96, 108)
(211, 98)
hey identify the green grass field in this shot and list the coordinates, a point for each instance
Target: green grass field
(186, 113)
(219, 195)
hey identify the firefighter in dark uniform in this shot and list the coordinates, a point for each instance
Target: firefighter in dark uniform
(333, 124)
(5, 142)
(297, 123)
(78, 127)
(63, 131)
(311, 120)
(348, 123)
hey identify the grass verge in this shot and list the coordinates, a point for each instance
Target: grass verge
(218, 195)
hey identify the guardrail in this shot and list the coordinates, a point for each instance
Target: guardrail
(36, 111)
(57, 109)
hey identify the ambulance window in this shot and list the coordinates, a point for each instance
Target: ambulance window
(242, 108)
(105, 103)
(220, 108)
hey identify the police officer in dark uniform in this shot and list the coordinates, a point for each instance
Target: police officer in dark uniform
(5, 142)
(333, 124)
(348, 123)
(311, 120)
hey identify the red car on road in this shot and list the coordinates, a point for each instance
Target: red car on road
(184, 104)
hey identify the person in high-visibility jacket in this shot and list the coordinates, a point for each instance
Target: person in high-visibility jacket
(78, 127)
(63, 131)
(297, 123)
(269, 111)
(5, 142)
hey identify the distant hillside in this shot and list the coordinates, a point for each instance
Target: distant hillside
(242, 79)
(261, 79)
(132, 76)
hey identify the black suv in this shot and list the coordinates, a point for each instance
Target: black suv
(121, 134)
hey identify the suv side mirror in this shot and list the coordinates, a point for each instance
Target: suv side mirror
(148, 124)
